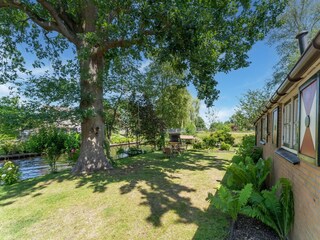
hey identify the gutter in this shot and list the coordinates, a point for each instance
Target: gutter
(307, 59)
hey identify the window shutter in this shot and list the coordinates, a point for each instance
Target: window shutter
(308, 142)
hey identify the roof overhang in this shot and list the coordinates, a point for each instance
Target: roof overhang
(306, 60)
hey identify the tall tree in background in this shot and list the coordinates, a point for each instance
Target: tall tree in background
(299, 15)
(203, 37)
(250, 106)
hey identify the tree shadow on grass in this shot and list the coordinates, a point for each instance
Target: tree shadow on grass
(161, 190)
(31, 186)
(214, 224)
(162, 194)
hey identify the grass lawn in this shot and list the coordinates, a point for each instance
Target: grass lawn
(145, 197)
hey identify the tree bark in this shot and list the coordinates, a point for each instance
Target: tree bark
(92, 157)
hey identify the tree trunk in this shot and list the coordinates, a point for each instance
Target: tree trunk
(92, 157)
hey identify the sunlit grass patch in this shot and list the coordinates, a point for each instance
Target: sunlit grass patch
(144, 197)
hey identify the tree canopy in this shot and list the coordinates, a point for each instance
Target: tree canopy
(198, 38)
(299, 15)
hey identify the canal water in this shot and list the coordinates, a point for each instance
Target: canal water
(35, 167)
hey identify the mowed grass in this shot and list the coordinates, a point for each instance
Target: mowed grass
(145, 197)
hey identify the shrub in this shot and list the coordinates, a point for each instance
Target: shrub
(121, 151)
(248, 172)
(133, 151)
(231, 202)
(225, 146)
(54, 146)
(274, 207)
(72, 147)
(199, 145)
(73, 156)
(248, 148)
(218, 137)
(9, 173)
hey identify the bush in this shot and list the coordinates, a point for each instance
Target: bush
(9, 173)
(9, 147)
(217, 138)
(238, 175)
(133, 151)
(248, 149)
(199, 145)
(121, 151)
(225, 146)
(231, 202)
(274, 207)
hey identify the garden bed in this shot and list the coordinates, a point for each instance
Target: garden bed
(247, 228)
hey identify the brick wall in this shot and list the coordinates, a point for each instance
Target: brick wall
(305, 179)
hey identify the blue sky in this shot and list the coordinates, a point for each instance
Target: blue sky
(234, 84)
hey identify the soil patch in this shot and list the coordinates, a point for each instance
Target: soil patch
(252, 229)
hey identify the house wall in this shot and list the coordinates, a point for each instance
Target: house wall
(305, 177)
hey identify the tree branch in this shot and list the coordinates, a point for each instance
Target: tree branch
(127, 42)
(63, 25)
(45, 24)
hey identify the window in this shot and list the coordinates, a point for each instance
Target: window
(287, 125)
(264, 128)
(275, 127)
(290, 133)
(295, 133)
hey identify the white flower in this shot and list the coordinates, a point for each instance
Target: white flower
(3, 175)
(10, 168)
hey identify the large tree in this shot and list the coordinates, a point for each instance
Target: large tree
(250, 106)
(202, 37)
(299, 15)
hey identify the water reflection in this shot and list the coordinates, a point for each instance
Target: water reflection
(35, 167)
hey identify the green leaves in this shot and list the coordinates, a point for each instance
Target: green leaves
(231, 202)
(242, 173)
(9, 173)
(274, 207)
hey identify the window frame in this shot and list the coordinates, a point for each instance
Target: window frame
(285, 115)
(275, 126)
(264, 129)
(287, 142)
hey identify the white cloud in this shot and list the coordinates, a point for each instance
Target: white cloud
(223, 114)
(215, 114)
(4, 90)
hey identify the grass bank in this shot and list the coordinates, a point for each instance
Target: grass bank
(145, 197)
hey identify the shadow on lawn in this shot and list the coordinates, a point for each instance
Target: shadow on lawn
(31, 186)
(162, 193)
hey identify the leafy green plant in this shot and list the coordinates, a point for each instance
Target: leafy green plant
(231, 201)
(54, 146)
(248, 148)
(73, 156)
(218, 137)
(225, 146)
(199, 145)
(9, 173)
(10, 147)
(274, 207)
(120, 151)
(133, 151)
(248, 172)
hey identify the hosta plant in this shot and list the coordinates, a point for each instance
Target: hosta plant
(9, 173)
